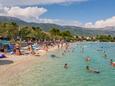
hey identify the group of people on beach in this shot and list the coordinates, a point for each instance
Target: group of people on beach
(32, 47)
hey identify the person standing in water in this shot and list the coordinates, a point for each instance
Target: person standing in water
(66, 66)
(111, 61)
(87, 67)
(88, 59)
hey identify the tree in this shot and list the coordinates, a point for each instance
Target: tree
(24, 32)
(66, 34)
(54, 32)
(104, 38)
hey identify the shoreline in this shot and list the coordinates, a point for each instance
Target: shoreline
(21, 63)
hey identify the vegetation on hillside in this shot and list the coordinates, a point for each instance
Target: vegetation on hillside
(73, 29)
(14, 32)
(105, 38)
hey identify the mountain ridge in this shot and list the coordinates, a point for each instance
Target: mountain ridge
(73, 29)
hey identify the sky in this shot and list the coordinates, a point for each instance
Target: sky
(84, 13)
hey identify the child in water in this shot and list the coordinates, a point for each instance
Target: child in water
(66, 66)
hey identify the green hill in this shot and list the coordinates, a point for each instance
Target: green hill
(48, 26)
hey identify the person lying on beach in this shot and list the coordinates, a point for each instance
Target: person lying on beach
(2, 55)
(66, 66)
(92, 70)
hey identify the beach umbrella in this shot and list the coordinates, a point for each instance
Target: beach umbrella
(5, 42)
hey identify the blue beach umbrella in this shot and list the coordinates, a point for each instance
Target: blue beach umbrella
(5, 42)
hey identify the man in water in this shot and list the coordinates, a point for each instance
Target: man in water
(53, 55)
(62, 53)
(87, 67)
(111, 61)
(105, 55)
(92, 70)
(66, 66)
(88, 59)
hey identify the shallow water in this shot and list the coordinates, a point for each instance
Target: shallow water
(52, 72)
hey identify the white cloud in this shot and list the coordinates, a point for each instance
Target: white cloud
(88, 25)
(35, 2)
(98, 24)
(28, 13)
(32, 14)
(60, 22)
(102, 23)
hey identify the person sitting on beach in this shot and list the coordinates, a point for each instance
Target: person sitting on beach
(2, 49)
(92, 70)
(45, 47)
(17, 49)
(66, 66)
(30, 48)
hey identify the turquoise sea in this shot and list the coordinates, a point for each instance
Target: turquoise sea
(53, 73)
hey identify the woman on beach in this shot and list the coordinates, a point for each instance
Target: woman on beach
(30, 48)
(17, 49)
(45, 47)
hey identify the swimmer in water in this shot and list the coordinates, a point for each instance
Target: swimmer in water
(53, 55)
(105, 55)
(87, 67)
(101, 47)
(92, 70)
(62, 53)
(66, 66)
(111, 61)
(88, 59)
